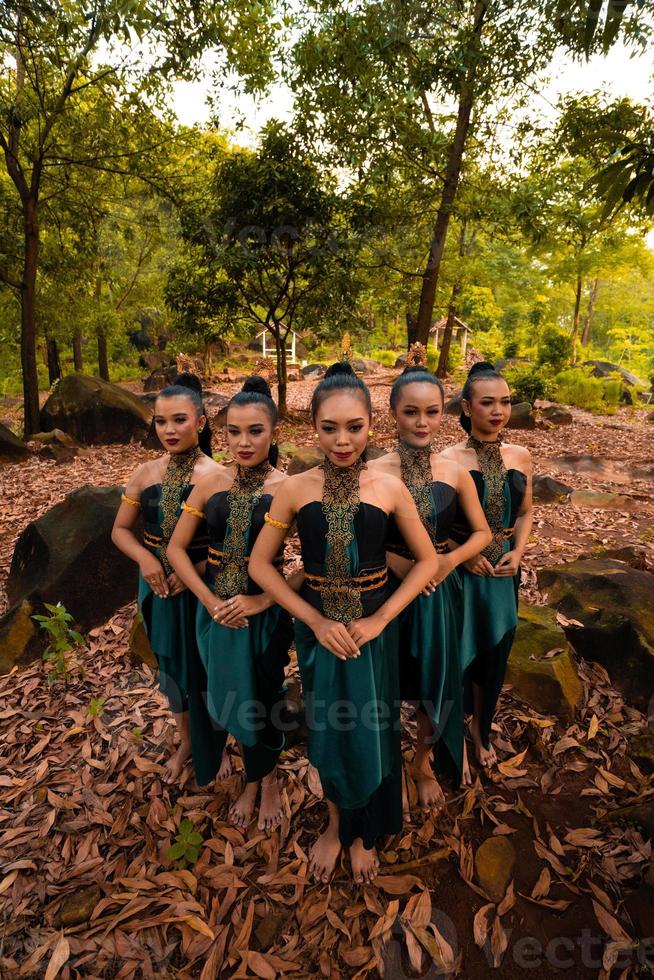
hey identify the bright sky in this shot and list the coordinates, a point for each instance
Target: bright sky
(618, 74)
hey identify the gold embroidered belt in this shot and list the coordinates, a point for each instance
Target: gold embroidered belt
(156, 541)
(219, 558)
(362, 583)
(441, 548)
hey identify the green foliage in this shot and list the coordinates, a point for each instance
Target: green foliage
(530, 382)
(186, 849)
(554, 349)
(576, 386)
(95, 708)
(432, 358)
(63, 640)
(385, 357)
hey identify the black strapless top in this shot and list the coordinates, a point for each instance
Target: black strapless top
(517, 483)
(217, 516)
(150, 508)
(445, 500)
(371, 532)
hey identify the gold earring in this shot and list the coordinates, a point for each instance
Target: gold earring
(315, 435)
(370, 432)
(274, 442)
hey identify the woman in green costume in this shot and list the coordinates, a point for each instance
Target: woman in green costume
(502, 474)
(430, 670)
(157, 489)
(346, 628)
(243, 637)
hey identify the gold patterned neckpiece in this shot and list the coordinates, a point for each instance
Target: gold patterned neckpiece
(341, 496)
(491, 464)
(245, 493)
(415, 467)
(179, 474)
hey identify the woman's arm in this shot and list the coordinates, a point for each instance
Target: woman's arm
(283, 509)
(480, 534)
(398, 565)
(123, 536)
(185, 530)
(424, 568)
(510, 562)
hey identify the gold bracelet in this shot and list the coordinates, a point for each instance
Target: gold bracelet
(273, 523)
(192, 510)
(130, 500)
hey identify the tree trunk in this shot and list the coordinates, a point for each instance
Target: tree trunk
(103, 360)
(78, 359)
(54, 366)
(592, 299)
(411, 329)
(575, 320)
(28, 318)
(441, 370)
(451, 183)
(280, 352)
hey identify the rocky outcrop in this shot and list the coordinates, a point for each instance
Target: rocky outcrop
(66, 556)
(604, 369)
(541, 666)
(311, 371)
(602, 501)
(160, 378)
(547, 490)
(556, 415)
(613, 602)
(12, 449)
(522, 417)
(94, 411)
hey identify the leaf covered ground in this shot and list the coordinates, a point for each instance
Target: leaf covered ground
(86, 886)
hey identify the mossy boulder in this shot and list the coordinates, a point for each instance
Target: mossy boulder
(546, 680)
(95, 411)
(522, 417)
(66, 556)
(613, 601)
(602, 501)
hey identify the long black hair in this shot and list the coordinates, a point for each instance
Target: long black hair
(414, 374)
(256, 391)
(339, 377)
(188, 385)
(481, 371)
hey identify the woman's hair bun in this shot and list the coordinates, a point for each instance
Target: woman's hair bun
(189, 380)
(340, 367)
(256, 383)
(415, 369)
(481, 367)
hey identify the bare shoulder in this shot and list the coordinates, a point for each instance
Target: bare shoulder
(148, 473)
(275, 480)
(216, 479)
(452, 452)
(387, 463)
(518, 454)
(447, 469)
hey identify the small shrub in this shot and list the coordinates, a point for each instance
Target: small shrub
(63, 640)
(554, 348)
(432, 358)
(529, 383)
(186, 849)
(511, 349)
(385, 357)
(576, 386)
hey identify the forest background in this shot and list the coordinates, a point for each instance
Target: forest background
(416, 172)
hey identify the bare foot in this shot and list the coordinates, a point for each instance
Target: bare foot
(174, 766)
(324, 854)
(466, 775)
(485, 757)
(225, 766)
(365, 864)
(270, 811)
(240, 812)
(430, 794)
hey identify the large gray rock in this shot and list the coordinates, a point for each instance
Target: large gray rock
(66, 556)
(522, 417)
(556, 415)
(94, 411)
(547, 490)
(12, 448)
(313, 370)
(160, 378)
(453, 404)
(614, 604)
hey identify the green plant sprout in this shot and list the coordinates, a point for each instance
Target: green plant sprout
(186, 849)
(63, 640)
